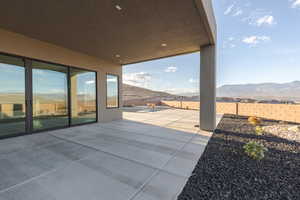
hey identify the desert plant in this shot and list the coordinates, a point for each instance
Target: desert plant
(259, 130)
(254, 120)
(255, 150)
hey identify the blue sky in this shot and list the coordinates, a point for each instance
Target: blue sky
(258, 41)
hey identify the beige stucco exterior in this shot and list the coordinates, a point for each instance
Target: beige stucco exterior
(17, 44)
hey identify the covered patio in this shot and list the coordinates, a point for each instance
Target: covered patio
(148, 155)
(137, 156)
(102, 36)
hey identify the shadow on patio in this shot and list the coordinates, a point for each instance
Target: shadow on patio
(151, 158)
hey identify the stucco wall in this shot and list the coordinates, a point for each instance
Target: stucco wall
(21, 45)
(271, 111)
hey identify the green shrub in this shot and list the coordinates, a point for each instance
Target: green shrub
(255, 150)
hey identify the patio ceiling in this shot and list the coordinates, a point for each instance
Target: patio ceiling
(122, 31)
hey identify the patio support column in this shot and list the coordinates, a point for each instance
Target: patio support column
(208, 88)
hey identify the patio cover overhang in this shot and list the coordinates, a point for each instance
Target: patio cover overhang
(122, 31)
(133, 29)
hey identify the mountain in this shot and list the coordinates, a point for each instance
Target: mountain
(262, 91)
(141, 96)
(132, 92)
(282, 91)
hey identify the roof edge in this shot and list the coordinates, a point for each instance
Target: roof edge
(206, 13)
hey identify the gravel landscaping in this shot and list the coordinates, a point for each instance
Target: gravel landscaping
(224, 171)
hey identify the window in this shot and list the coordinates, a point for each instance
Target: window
(37, 96)
(50, 96)
(83, 96)
(12, 96)
(112, 91)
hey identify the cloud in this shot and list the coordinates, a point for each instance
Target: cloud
(140, 79)
(171, 69)
(229, 9)
(92, 82)
(265, 20)
(296, 4)
(237, 12)
(260, 17)
(254, 40)
(233, 11)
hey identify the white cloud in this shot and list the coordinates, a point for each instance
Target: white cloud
(237, 12)
(254, 40)
(233, 11)
(140, 79)
(171, 69)
(229, 9)
(91, 82)
(265, 20)
(296, 4)
(260, 17)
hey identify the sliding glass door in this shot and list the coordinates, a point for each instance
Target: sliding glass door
(12, 96)
(36, 96)
(49, 96)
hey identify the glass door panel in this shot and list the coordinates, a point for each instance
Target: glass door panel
(12, 96)
(83, 96)
(49, 96)
(112, 91)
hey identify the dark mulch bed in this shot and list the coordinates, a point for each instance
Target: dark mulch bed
(224, 171)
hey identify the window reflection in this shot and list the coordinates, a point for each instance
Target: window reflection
(112, 96)
(49, 102)
(49, 83)
(83, 96)
(12, 96)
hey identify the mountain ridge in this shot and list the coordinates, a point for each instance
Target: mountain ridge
(259, 91)
(283, 91)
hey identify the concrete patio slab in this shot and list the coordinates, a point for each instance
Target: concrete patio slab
(152, 158)
(185, 160)
(163, 186)
(31, 162)
(126, 159)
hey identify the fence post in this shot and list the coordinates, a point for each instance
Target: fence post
(181, 99)
(237, 108)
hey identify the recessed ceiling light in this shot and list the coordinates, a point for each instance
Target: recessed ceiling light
(118, 7)
(118, 56)
(163, 44)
